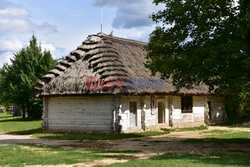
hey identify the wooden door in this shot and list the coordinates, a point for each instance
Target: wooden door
(132, 114)
(161, 112)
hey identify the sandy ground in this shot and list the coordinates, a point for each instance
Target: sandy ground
(149, 146)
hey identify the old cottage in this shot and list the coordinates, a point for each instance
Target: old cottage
(103, 85)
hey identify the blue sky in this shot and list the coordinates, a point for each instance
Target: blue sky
(61, 25)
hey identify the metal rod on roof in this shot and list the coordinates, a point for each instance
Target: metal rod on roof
(101, 20)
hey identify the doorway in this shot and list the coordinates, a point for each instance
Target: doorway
(209, 110)
(161, 112)
(132, 114)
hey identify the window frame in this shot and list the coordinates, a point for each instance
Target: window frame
(186, 104)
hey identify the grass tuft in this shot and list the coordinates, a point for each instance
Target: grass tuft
(190, 160)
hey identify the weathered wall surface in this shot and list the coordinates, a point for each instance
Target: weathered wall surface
(80, 113)
(188, 119)
(147, 112)
(151, 112)
(112, 113)
(125, 116)
(218, 113)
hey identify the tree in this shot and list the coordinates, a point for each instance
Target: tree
(17, 80)
(203, 42)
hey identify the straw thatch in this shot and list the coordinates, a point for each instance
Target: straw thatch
(104, 57)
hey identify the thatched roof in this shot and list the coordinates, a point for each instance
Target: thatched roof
(104, 57)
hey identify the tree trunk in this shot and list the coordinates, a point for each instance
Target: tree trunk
(23, 108)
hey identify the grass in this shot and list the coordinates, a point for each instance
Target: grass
(22, 155)
(18, 126)
(224, 136)
(8, 124)
(202, 127)
(190, 160)
(235, 121)
(110, 136)
(95, 136)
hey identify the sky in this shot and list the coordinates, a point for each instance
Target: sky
(62, 25)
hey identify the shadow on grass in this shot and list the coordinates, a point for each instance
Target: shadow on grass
(18, 120)
(219, 140)
(81, 136)
(213, 159)
(9, 116)
(28, 132)
(95, 136)
(235, 123)
(50, 155)
(198, 128)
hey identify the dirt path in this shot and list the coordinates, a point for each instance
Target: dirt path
(149, 146)
(8, 139)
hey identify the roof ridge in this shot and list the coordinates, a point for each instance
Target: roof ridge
(120, 38)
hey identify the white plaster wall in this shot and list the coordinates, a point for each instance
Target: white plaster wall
(80, 113)
(151, 115)
(124, 112)
(176, 110)
(188, 119)
(198, 109)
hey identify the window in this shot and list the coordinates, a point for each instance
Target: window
(187, 104)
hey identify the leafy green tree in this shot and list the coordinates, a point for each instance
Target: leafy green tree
(204, 42)
(17, 80)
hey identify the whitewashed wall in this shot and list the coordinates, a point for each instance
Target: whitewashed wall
(188, 119)
(80, 113)
(99, 113)
(151, 115)
(143, 106)
(124, 113)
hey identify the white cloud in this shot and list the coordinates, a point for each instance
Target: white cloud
(11, 44)
(141, 33)
(5, 58)
(13, 12)
(16, 20)
(48, 47)
(8, 47)
(130, 13)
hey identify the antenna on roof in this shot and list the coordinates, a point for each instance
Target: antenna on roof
(101, 20)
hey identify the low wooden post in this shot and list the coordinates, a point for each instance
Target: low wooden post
(206, 111)
(170, 111)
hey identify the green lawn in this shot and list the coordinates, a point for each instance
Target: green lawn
(94, 136)
(227, 134)
(21, 155)
(29, 127)
(202, 127)
(224, 136)
(8, 124)
(190, 160)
